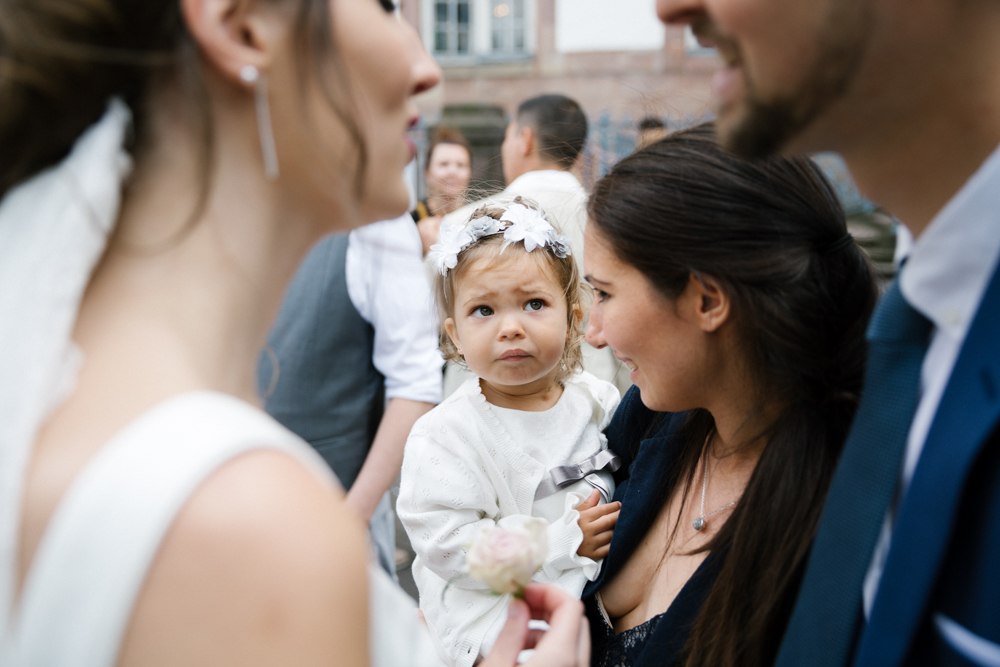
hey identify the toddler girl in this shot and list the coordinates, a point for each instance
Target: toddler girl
(522, 439)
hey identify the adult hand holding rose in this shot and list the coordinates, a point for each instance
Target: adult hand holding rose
(565, 644)
(505, 559)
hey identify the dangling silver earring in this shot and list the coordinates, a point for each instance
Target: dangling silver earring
(252, 75)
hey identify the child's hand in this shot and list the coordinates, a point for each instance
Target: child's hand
(597, 523)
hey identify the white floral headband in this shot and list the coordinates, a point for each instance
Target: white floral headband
(523, 223)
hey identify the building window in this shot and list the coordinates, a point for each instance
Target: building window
(508, 26)
(451, 27)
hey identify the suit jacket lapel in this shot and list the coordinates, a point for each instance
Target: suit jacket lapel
(969, 411)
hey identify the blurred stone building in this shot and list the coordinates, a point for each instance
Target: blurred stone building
(613, 56)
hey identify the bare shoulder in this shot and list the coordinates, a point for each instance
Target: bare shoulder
(264, 565)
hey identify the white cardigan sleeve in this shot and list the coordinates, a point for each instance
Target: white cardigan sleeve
(564, 565)
(565, 538)
(445, 500)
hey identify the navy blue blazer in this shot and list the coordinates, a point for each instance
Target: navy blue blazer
(647, 460)
(939, 598)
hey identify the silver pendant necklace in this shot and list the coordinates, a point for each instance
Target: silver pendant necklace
(699, 522)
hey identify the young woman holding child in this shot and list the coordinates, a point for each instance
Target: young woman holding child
(734, 293)
(493, 454)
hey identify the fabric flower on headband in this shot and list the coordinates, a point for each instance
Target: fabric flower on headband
(484, 226)
(518, 223)
(526, 224)
(531, 227)
(452, 240)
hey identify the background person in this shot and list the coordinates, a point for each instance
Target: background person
(542, 145)
(446, 175)
(352, 362)
(906, 564)
(735, 295)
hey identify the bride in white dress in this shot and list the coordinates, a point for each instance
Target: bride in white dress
(166, 164)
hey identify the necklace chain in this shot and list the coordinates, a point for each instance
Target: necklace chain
(699, 522)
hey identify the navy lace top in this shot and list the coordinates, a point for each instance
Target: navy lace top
(672, 628)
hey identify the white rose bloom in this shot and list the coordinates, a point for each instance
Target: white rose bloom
(506, 559)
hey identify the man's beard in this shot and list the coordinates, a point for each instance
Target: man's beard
(766, 126)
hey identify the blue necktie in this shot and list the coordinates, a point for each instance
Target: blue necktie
(822, 626)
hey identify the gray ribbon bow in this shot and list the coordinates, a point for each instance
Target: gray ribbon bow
(565, 475)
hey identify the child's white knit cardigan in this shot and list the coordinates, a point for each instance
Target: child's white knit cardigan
(461, 473)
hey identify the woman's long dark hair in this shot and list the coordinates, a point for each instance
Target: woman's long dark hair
(772, 233)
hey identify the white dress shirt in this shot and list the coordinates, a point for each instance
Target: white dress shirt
(387, 284)
(946, 274)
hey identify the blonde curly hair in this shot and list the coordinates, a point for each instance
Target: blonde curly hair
(576, 292)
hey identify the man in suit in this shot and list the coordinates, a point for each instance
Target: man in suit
(905, 569)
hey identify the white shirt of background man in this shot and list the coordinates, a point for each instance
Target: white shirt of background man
(387, 284)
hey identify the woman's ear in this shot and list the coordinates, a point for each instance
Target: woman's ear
(528, 140)
(232, 34)
(710, 302)
(452, 331)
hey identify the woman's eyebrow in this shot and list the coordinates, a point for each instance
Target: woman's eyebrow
(594, 281)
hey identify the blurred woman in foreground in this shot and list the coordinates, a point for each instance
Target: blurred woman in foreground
(166, 164)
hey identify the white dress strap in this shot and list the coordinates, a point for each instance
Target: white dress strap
(94, 557)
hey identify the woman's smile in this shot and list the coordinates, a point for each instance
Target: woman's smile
(631, 366)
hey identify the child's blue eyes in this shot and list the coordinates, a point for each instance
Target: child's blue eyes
(601, 294)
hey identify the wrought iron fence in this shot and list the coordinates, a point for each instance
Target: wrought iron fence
(610, 139)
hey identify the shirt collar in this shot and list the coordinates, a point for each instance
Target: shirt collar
(950, 265)
(546, 179)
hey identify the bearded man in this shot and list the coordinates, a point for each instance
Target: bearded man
(905, 569)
